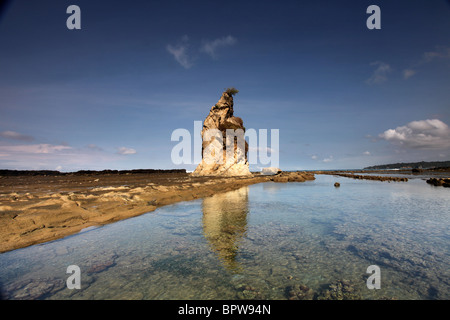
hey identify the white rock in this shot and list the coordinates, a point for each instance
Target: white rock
(270, 171)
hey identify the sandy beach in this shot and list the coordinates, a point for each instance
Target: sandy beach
(40, 208)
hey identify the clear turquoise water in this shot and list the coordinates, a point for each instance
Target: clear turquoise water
(254, 243)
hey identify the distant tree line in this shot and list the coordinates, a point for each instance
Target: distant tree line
(6, 172)
(413, 165)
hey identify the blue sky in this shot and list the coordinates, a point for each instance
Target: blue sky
(109, 96)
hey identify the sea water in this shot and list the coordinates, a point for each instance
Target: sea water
(265, 241)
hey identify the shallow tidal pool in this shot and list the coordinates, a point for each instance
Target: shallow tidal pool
(305, 240)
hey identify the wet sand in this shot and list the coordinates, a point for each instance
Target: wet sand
(41, 208)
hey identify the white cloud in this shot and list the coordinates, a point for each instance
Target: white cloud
(42, 148)
(408, 73)
(422, 134)
(34, 156)
(371, 138)
(48, 157)
(439, 53)
(314, 157)
(366, 153)
(94, 147)
(125, 151)
(329, 159)
(380, 73)
(184, 55)
(15, 136)
(210, 47)
(180, 52)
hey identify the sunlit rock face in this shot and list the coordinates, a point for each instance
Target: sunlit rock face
(225, 224)
(215, 142)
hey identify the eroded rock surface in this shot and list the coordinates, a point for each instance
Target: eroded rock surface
(214, 146)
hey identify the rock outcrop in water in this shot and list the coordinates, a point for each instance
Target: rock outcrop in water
(214, 137)
(439, 182)
(296, 176)
(369, 177)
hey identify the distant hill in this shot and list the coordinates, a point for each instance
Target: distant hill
(6, 172)
(413, 165)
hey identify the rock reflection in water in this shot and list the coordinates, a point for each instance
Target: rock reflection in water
(225, 224)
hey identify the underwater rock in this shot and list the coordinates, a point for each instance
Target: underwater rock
(299, 292)
(33, 289)
(101, 262)
(247, 292)
(340, 290)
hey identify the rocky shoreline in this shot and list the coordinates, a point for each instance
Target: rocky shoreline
(436, 177)
(40, 208)
(367, 177)
(439, 182)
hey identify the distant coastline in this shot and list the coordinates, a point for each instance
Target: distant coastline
(413, 165)
(8, 172)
